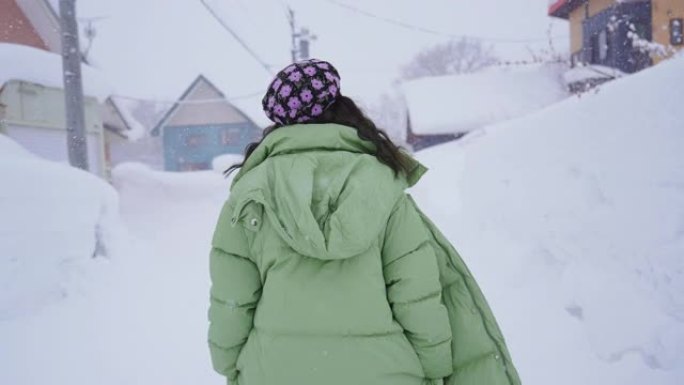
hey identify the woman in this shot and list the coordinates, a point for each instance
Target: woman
(323, 269)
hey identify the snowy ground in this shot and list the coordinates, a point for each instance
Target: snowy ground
(571, 219)
(53, 220)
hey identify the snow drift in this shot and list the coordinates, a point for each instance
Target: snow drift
(573, 219)
(54, 219)
(138, 317)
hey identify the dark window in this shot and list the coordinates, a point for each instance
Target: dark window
(676, 32)
(230, 136)
(594, 49)
(194, 140)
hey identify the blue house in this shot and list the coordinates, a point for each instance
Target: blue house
(202, 125)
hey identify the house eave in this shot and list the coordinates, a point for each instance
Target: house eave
(562, 8)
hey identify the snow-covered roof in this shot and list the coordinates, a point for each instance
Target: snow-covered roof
(215, 97)
(135, 129)
(20, 62)
(461, 103)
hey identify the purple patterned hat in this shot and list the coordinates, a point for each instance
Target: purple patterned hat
(301, 92)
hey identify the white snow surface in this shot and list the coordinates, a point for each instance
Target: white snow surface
(138, 317)
(35, 65)
(572, 219)
(222, 162)
(54, 220)
(462, 103)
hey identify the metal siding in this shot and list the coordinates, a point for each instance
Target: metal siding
(35, 118)
(51, 144)
(34, 104)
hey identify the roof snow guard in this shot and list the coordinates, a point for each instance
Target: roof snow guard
(562, 8)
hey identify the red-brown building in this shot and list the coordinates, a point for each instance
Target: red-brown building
(30, 22)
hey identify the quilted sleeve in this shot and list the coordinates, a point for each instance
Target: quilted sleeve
(235, 291)
(413, 289)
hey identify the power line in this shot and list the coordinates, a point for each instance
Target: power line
(235, 35)
(197, 101)
(418, 28)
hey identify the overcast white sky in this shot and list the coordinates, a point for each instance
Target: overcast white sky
(155, 48)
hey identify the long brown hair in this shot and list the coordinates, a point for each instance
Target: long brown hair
(345, 112)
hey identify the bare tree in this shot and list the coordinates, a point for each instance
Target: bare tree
(453, 57)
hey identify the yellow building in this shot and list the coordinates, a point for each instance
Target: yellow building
(628, 35)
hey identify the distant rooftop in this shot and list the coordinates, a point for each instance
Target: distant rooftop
(462, 103)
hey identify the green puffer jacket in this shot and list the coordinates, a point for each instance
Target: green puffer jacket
(325, 272)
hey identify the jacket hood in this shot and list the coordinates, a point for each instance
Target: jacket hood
(331, 201)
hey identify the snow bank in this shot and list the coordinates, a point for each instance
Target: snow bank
(54, 219)
(140, 318)
(461, 103)
(222, 162)
(573, 220)
(168, 185)
(35, 65)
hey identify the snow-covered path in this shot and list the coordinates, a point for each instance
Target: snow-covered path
(174, 217)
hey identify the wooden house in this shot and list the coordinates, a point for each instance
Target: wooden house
(202, 125)
(627, 35)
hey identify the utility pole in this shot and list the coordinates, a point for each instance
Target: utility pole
(77, 145)
(293, 33)
(301, 40)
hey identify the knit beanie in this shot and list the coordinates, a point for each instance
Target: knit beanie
(301, 92)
